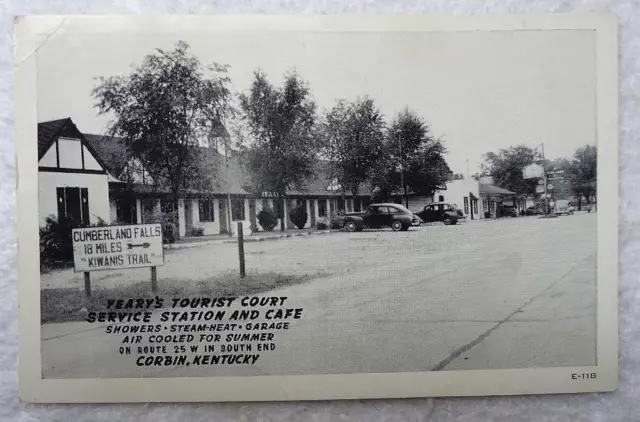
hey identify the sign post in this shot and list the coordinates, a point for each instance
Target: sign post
(154, 280)
(241, 249)
(115, 248)
(87, 283)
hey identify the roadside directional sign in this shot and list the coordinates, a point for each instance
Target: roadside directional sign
(549, 186)
(117, 247)
(541, 182)
(539, 189)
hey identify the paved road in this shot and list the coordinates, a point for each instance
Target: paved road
(482, 295)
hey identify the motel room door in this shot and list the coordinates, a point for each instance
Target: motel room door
(73, 205)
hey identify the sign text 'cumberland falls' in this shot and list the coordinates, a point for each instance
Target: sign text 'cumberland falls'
(117, 247)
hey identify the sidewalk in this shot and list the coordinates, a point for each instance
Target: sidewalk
(217, 239)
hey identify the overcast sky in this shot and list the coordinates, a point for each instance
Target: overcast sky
(479, 91)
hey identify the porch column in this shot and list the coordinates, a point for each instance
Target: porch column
(329, 208)
(138, 211)
(285, 213)
(195, 212)
(316, 212)
(216, 216)
(181, 223)
(308, 223)
(246, 210)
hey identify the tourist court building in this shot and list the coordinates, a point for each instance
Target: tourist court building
(89, 179)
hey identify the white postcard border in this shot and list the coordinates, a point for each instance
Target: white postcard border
(28, 32)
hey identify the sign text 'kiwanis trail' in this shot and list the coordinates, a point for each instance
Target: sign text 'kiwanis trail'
(117, 247)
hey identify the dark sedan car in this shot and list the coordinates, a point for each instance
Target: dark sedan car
(381, 215)
(440, 211)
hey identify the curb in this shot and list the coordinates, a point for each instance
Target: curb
(247, 239)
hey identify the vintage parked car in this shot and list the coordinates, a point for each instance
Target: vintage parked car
(535, 210)
(562, 207)
(381, 215)
(441, 211)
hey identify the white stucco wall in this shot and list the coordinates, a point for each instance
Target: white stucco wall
(49, 159)
(457, 190)
(70, 153)
(96, 184)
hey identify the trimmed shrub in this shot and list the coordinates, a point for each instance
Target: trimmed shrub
(337, 221)
(267, 219)
(299, 216)
(195, 231)
(323, 223)
(170, 231)
(56, 245)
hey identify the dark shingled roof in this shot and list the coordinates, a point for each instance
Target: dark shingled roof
(112, 151)
(47, 132)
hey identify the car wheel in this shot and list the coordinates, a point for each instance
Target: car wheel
(350, 226)
(396, 225)
(447, 221)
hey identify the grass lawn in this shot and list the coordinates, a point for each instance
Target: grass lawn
(62, 305)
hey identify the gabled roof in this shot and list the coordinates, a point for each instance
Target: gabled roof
(51, 130)
(487, 190)
(47, 133)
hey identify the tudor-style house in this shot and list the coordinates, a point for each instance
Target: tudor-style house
(73, 181)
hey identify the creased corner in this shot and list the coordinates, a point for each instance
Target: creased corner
(43, 42)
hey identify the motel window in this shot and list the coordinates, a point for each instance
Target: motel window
(166, 206)
(237, 210)
(474, 204)
(126, 210)
(322, 208)
(441, 198)
(341, 206)
(205, 210)
(466, 204)
(485, 205)
(73, 205)
(356, 205)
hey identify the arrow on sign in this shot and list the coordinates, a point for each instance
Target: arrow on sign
(138, 245)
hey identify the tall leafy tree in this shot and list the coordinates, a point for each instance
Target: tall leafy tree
(584, 173)
(279, 133)
(416, 158)
(165, 110)
(506, 168)
(353, 142)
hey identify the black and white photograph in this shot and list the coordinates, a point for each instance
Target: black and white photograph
(265, 202)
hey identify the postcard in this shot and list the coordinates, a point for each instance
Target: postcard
(251, 208)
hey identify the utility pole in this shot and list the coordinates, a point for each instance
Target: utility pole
(544, 178)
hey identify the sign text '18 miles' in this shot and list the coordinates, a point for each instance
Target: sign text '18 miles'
(117, 247)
